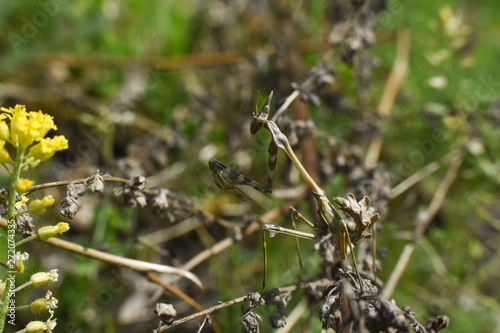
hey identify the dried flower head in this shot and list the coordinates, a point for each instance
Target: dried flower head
(167, 310)
(94, 183)
(250, 321)
(70, 203)
(132, 195)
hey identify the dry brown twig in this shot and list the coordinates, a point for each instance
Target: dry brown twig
(422, 173)
(317, 284)
(391, 88)
(139, 266)
(80, 181)
(423, 221)
(181, 295)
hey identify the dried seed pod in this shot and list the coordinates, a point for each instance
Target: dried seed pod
(160, 200)
(139, 182)
(436, 324)
(167, 310)
(410, 315)
(70, 204)
(69, 207)
(278, 319)
(250, 321)
(24, 225)
(94, 183)
(132, 195)
(274, 297)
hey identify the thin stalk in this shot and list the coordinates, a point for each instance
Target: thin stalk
(25, 240)
(10, 281)
(423, 224)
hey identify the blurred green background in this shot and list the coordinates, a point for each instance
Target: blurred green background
(160, 87)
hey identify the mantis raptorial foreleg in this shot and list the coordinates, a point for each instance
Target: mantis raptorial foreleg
(227, 179)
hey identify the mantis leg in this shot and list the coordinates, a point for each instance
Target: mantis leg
(276, 229)
(347, 239)
(374, 253)
(228, 179)
(264, 277)
(295, 215)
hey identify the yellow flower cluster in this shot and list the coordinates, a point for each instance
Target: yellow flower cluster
(38, 206)
(23, 184)
(47, 147)
(27, 128)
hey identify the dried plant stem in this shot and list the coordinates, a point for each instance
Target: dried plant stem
(136, 265)
(75, 181)
(201, 313)
(423, 222)
(285, 105)
(392, 85)
(172, 232)
(178, 293)
(204, 255)
(421, 174)
(317, 284)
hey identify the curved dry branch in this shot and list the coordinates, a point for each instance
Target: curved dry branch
(143, 267)
(80, 181)
(136, 265)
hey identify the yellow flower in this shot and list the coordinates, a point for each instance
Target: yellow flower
(51, 230)
(40, 326)
(4, 128)
(23, 184)
(24, 199)
(39, 305)
(35, 327)
(38, 279)
(47, 147)
(4, 155)
(42, 304)
(38, 206)
(27, 127)
(18, 261)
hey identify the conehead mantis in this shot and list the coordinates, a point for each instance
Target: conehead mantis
(345, 238)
